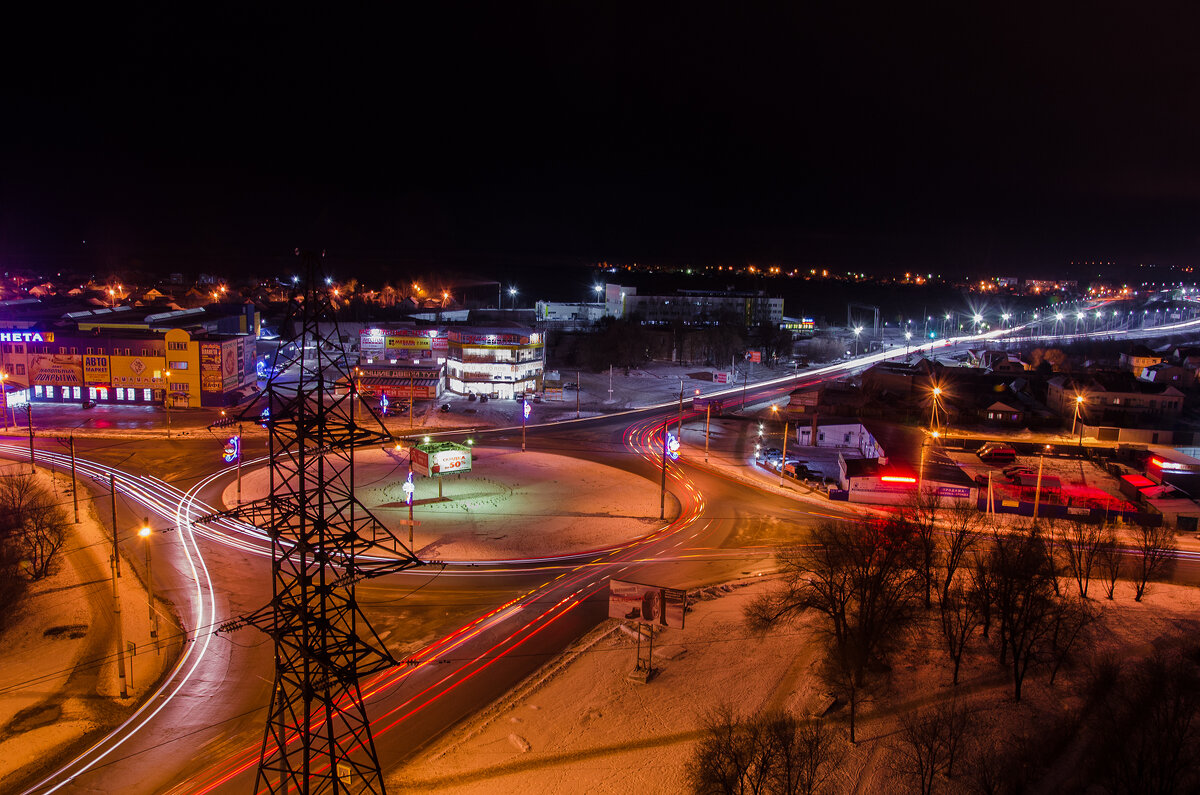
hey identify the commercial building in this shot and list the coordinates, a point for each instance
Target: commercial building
(125, 356)
(500, 362)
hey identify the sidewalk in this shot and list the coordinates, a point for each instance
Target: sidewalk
(59, 682)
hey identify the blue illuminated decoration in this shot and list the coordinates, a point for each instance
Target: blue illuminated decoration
(233, 449)
(672, 447)
(527, 407)
(261, 368)
(409, 489)
(383, 404)
(266, 416)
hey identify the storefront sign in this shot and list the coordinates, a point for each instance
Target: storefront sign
(96, 371)
(58, 370)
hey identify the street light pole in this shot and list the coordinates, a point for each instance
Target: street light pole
(29, 422)
(4, 392)
(167, 399)
(707, 417)
(662, 493)
(241, 441)
(524, 411)
(783, 460)
(116, 572)
(145, 534)
(74, 486)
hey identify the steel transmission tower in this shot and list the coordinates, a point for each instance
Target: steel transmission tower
(318, 736)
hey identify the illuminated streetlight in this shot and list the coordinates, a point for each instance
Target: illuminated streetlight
(512, 293)
(167, 399)
(857, 331)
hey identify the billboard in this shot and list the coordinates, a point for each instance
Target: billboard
(210, 367)
(133, 371)
(441, 458)
(95, 370)
(646, 604)
(754, 356)
(56, 370)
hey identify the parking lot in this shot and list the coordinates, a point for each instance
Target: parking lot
(1066, 480)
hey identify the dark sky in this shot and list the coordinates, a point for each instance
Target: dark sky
(958, 137)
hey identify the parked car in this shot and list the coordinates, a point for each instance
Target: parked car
(87, 404)
(483, 398)
(471, 397)
(998, 453)
(1030, 480)
(445, 408)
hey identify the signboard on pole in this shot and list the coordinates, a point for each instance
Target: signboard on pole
(646, 604)
(441, 458)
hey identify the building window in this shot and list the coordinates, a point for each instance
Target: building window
(37, 391)
(120, 393)
(91, 393)
(19, 369)
(102, 392)
(62, 351)
(146, 394)
(89, 351)
(145, 351)
(177, 346)
(18, 349)
(76, 393)
(49, 391)
(177, 365)
(181, 386)
(74, 351)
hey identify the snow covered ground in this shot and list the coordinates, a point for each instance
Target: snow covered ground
(511, 505)
(58, 665)
(580, 725)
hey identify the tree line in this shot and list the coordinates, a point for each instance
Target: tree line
(33, 529)
(1024, 591)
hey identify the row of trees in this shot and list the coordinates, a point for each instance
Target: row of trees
(33, 528)
(869, 582)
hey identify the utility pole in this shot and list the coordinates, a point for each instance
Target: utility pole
(662, 494)
(412, 399)
(241, 441)
(707, 417)
(116, 572)
(74, 485)
(783, 460)
(745, 381)
(145, 534)
(610, 383)
(524, 413)
(681, 411)
(1037, 492)
(29, 420)
(167, 399)
(576, 394)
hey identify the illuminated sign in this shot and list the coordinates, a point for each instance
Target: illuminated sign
(672, 447)
(266, 416)
(441, 458)
(1170, 466)
(409, 489)
(526, 409)
(897, 479)
(26, 336)
(383, 404)
(260, 370)
(233, 449)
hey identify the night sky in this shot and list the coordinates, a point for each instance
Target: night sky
(957, 137)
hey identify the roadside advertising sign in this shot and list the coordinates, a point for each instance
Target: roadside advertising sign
(441, 458)
(646, 604)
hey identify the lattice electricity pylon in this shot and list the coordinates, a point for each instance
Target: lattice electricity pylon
(323, 540)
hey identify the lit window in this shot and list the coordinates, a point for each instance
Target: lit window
(146, 394)
(76, 393)
(91, 393)
(120, 393)
(37, 391)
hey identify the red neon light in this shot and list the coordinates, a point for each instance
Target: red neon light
(898, 479)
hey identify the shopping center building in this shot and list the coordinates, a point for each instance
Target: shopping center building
(129, 356)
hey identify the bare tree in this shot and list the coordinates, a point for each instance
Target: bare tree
(928, 743)
(963, 528)
(960, 618)
(1111, 560)
(923, 510)
(1024, 598)
(1081, 543)
(1050, 531)
(862, 579)
(1156, 549)
(43, 534)
(1069, 621)
(768, 753)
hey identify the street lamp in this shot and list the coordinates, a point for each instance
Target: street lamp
(783, 452)
(857, 331)
(937, 394)
(167, 399)
(598, 289)
(4, 392)
(145, 532)
(1075, 421)
(907, 342)
(512, 293)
